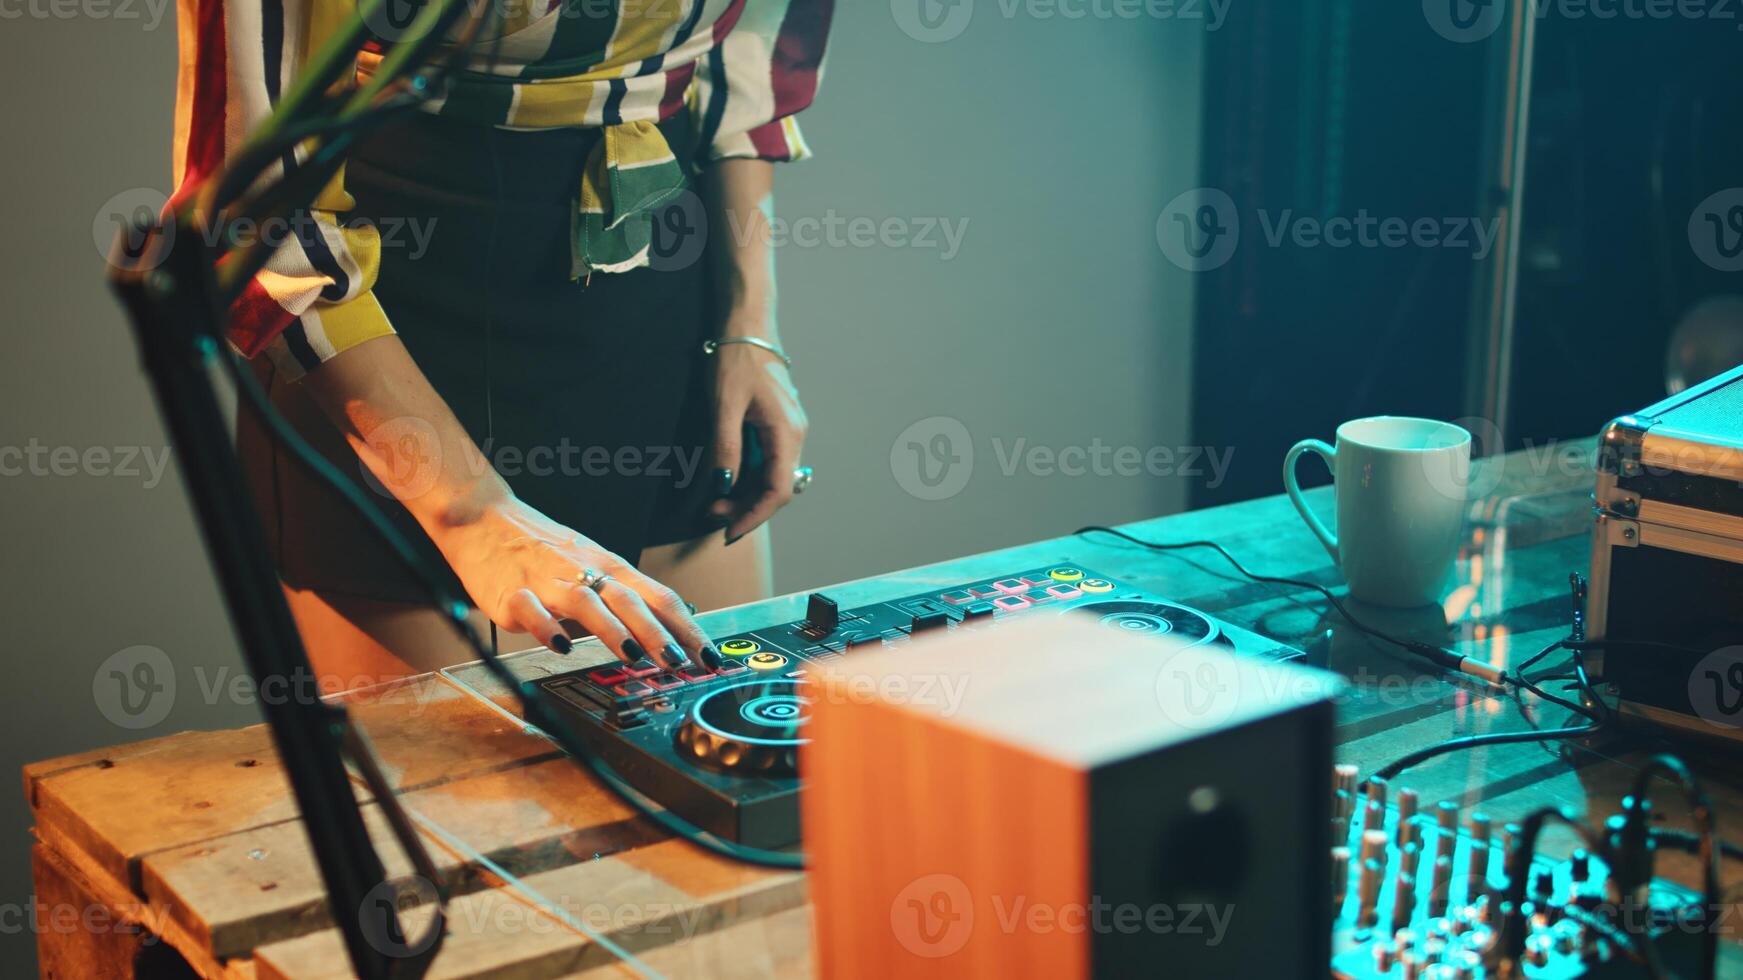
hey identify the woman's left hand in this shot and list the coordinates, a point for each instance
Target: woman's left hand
(753, 387)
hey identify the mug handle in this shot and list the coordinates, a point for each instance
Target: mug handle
(1293, 488)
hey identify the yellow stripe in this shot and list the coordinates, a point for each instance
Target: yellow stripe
(640, 37)
(351, 323)
(552, 102)
(638, 143)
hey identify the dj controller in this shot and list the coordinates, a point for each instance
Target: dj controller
(720, 748)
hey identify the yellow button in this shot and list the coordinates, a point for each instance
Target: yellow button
(1096, 585)
(1066, 574)
(766, 661)
(739, 648)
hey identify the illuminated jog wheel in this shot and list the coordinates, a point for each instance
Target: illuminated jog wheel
(748, 729)
(1151, 619)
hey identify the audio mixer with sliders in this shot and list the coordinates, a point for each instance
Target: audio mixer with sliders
(1422, 893)
(720, 748)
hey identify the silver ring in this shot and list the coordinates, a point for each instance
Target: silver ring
(592, 578)
(802, 479)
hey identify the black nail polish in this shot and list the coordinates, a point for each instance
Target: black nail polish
(632, 651)
(710, 657)
(731, 541)
(561, 643)
(676, 657)
(722, 482)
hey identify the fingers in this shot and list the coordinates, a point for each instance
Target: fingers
(728, 454)
(581, 604)
(783, 446)
(645, 628)
(672, 612)
(526, 614)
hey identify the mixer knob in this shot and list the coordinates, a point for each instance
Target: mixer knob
(821, 613)
(1543, 886)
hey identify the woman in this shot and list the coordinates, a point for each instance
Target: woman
(541, 316)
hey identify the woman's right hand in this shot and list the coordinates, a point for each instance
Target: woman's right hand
(521, 568)
(524, 571)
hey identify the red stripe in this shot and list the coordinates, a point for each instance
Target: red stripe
(256, 319)
(677, 83)
(798, 55)
(728, 20)
(770, 141)
(204, 153)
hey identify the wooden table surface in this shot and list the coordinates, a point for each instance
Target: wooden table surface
(190, 849)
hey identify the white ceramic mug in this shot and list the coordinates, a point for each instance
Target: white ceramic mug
(1401, 500)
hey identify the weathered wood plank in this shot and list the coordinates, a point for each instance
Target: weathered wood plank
(262, 885)
(651, 898)
(199, 786)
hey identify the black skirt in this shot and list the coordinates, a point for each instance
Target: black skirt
(592, 399)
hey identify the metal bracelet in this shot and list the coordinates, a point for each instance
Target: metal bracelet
(713, 346)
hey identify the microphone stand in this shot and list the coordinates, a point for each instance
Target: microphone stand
(167, 287)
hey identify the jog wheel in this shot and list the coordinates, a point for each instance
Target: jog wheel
(1178, 623)
(748, 729)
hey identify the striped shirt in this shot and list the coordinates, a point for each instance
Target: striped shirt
(743, 69)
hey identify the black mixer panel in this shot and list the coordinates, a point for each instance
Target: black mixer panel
(720, 749)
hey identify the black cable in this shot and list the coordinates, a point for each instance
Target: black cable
(1515, 926)
(1438, 655)
(1638, 833)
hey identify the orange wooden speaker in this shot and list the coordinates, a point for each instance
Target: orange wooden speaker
(1055, 799)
